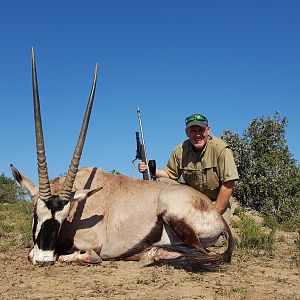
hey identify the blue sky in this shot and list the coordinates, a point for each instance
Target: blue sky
(232, 61)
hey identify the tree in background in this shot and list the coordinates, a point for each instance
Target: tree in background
(269, 175)
(114, 172)
(9, 190)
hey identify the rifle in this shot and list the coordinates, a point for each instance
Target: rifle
(141, 152)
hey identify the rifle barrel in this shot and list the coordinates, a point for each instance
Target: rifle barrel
(143, 143)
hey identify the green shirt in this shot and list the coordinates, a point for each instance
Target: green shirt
(205, 171)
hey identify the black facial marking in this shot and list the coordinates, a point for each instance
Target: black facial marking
(48, 234)
(55, 204)
(34, 225)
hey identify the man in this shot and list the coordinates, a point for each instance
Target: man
(205, 163)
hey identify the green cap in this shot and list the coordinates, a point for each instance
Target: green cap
(196, 120)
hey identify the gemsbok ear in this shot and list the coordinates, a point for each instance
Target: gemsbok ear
(24, 182)
(83, 194)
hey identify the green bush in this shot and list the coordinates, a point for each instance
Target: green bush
(269, 175)
(9, 190)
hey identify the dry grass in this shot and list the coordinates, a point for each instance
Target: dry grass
(15, 225)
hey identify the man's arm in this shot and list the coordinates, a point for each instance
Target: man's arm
(225, 192)
(159, 173)
(172, 169)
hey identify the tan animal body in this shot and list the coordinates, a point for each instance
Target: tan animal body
(89, 215)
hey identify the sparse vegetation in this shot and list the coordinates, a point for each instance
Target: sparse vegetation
(152, 278)
(190, 276)
(240, 289)
(15, 224)
(253, 236)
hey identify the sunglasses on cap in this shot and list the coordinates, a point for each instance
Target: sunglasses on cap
(195, 118)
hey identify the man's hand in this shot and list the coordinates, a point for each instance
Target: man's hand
(142, 167)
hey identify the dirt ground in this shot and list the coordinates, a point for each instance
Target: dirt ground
(248, 277)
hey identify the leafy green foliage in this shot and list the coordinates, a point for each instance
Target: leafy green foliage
(269, 175)
(9, 190)
(114, 172)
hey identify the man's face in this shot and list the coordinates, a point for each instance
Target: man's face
(198, 136)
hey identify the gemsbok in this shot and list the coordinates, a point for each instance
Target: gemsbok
(88, 215)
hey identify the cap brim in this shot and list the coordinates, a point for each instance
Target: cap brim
(197, 123)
